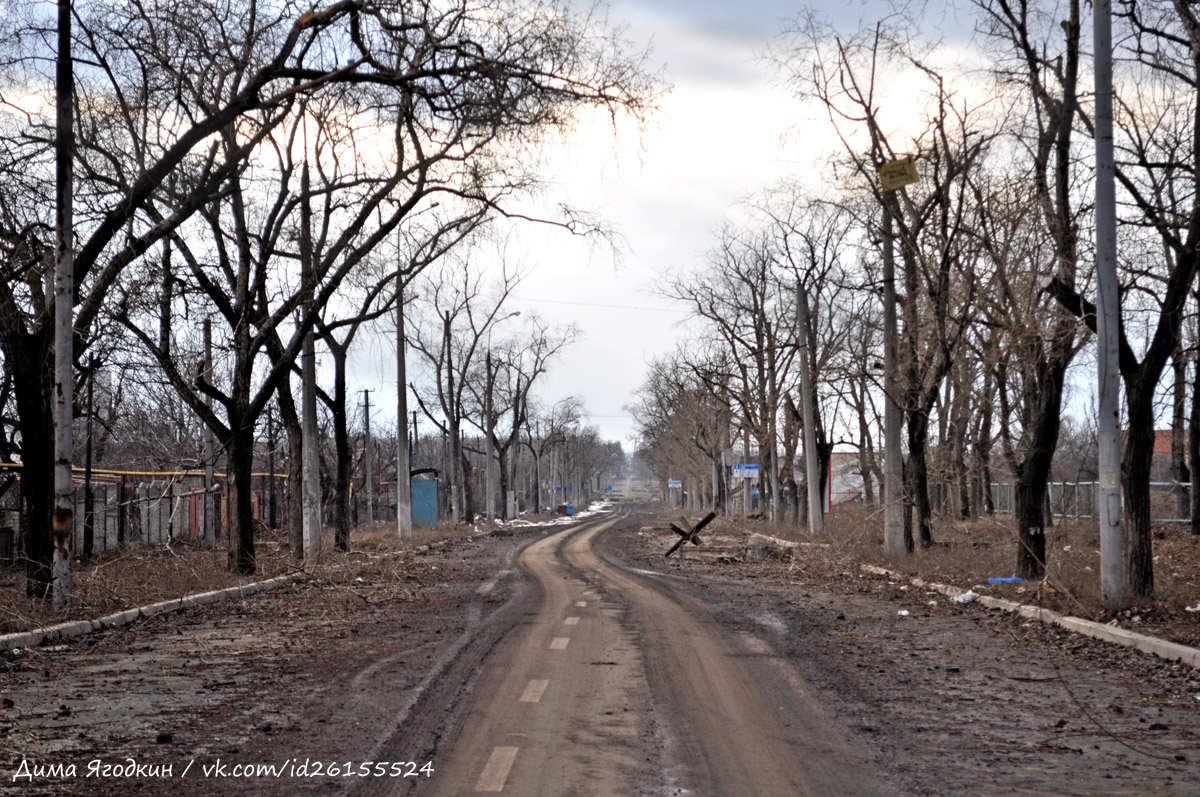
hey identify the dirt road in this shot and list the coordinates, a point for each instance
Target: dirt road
(581, 662)
(614, 659)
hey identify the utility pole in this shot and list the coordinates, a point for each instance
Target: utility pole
(270, 468)
(489, 449)
(403, 452)
(537, 463)
(367, 483)
(746, 483)
(812, 472)
(210, 509)
(456, 474)
(1112, 571)
(63, 525)
(89, 495)
(894, 544)
(310, 464)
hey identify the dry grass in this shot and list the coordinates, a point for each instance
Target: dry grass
(119, 580)
(967, 554)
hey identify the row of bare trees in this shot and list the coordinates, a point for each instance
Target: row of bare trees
(992, 249)
(270, 170)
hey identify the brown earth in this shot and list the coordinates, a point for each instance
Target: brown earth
(379, 657)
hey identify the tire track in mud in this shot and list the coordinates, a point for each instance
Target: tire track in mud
(437, 703)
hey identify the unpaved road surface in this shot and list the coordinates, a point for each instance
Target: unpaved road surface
(581, 662)
(612, 664)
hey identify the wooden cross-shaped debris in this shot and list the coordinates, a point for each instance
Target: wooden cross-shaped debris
(692, 536)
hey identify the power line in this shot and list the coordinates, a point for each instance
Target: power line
(607, 306)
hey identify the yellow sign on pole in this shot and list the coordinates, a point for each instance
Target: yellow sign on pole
(898, 173)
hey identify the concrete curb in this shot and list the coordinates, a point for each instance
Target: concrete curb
(1171, 651)
(53, 633)
(28, 639)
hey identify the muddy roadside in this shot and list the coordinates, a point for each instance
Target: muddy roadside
(954, 699)
(319, 672)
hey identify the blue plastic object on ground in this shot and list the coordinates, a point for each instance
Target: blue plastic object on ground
(1005, 580)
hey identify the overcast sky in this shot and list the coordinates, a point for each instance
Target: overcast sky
(720, 137)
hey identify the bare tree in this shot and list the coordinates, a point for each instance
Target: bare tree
(935, 218)
(1039, 53)
(178, 99)
(739, 304)
(1156, 170)
(545, 429)
(456, 310)
(499, 401)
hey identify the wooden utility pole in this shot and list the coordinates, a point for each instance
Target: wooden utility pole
(403, 452)
(63, 525)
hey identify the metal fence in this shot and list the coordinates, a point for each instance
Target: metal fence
(1168, 500)
(130, 512)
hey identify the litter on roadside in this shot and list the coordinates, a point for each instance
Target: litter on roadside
(965, 597)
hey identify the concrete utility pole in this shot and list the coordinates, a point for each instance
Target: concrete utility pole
(537, 463)
(489, 451)
(368, 485)
(894, 543)
(403, 452)
(746, 482)
(1112, 575)
(210, 511)
(63, 526)
(270, 468)
(456, 471)
(310, 464)
(89, 495)
(812, 468)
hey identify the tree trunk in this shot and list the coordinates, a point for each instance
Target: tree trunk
(33, 390)
(1194, 448)
(983, 446)
(1179, 468)
(918, 476)
(341, 439)
(1135, 478)
(1033, 470)
(865, 446)
(241, 465)
(295, 508)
